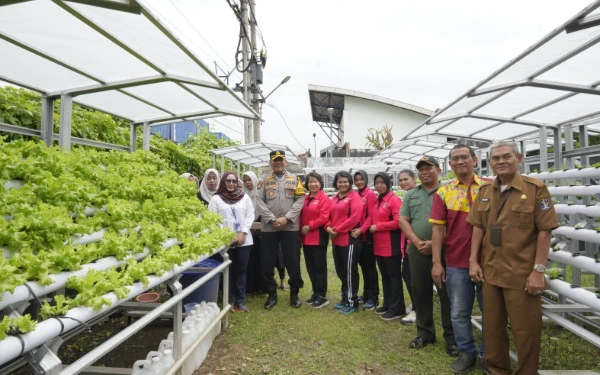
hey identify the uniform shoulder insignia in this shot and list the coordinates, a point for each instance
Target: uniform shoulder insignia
(534, 181)
(260, 184)
(299, 189)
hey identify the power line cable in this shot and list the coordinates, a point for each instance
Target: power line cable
(232, 129)
(286, 125)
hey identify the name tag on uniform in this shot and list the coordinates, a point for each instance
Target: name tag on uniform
(485, 199)
(415, 197)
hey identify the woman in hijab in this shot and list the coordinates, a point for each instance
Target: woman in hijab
(208, 185)
(237, 211)
(367, 257)
(191, 178)
(255, 283)
(386, 243)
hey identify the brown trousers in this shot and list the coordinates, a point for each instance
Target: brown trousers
(525, 313)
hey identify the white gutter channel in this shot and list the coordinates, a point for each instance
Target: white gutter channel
(574, 190)
(10, 347)
(579, 295)
(587, 235)
(565, 209)
(21, 293)
(582, 262)
(570, 173)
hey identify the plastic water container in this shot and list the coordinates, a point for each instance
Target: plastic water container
(188, 365)
(166, 345)
(209, 291)
(140, 367)
(189, 307)
(216, 311)
(167, 361)
(200, 353)
(155, 367)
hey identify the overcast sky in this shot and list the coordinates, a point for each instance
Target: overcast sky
(425, 53)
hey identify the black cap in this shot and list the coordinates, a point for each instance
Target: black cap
(277, 154)
(429, 160)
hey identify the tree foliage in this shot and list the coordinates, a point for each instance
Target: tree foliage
(22, 107)
(380, 139)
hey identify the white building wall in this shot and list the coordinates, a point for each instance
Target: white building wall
(361, 114)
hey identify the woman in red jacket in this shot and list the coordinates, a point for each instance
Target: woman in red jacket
(367, 257)
(386, 240)
(314, 216)
(346, 210)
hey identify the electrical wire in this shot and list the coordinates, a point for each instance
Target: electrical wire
(230, 128)
(286, 125)
(200, 35)
(239, 51)
(259, 31)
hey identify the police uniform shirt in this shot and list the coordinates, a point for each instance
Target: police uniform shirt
(526, 211)
(280, 198)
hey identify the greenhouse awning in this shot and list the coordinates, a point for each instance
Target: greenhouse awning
(371, 169)
(118, 57)
(410, 152)
(552, 84)
(255, 154)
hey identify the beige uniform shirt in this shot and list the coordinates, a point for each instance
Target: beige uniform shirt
(528, 210)
(280, 198)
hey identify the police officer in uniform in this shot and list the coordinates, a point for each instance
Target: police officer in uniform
(513, 218)
(280, 200)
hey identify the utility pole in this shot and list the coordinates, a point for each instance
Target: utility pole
(246, 74)
(256, 58)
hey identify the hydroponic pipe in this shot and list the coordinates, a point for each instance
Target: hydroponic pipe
(579, 295)
(21, 293)
(10, 347)
(587, 235)
(582, 262)
(565, 209)
(574, 190)
(570, 173)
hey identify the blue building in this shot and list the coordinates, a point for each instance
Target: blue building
(179, 132)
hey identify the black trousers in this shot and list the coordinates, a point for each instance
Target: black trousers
(406, 275)
(290, 246)
(422, 284)
(345, 259)
(369, 270)
(391, 279)
(255, 283)
(315, 257)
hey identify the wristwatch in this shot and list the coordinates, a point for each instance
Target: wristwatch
(539, 268)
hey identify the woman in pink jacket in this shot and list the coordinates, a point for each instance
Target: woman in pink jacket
(314, 238)
(346, 210)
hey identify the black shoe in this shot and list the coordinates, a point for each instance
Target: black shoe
(312, 299)
(452, 350)
(419, 343)
(381, 310)
(482, 365)
(295, 301)
(389, 315)
(464, 363)
(320, 302)
(271, 302)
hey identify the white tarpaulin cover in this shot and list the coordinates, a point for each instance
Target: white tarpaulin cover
(124, 62)
(410, 152)
(255, 154)
(553, 83)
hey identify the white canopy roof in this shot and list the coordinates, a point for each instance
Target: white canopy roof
(371, 169)
(410, 152)
(255, 154)
(553, 83)
(123, 60)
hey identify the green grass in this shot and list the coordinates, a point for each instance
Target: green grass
(309, 341)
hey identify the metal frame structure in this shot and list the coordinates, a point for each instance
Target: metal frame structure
(169, 82)
(253, 155)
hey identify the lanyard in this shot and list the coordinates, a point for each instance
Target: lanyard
(501, 198)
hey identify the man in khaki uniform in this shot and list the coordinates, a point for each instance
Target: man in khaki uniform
(280, 200)
(513, 218)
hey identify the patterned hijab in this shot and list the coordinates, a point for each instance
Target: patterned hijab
(229, 197)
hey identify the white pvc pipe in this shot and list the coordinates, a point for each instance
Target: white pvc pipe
(574, 190)
(587, 235)
(570, 173)
(565, 209)
(10, 347)
(89, 238)
(581, 261)
(579, 295)
(21, 293)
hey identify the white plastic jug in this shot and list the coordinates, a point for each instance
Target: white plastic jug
(188, 365)
(155, 367)
(166, 345)
(167, 361)
(140, 367)
(216, 311)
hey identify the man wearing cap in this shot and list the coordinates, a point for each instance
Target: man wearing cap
(513, 218)
(414, 222)
(280, 200)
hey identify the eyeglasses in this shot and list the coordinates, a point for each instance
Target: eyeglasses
(231, 181)
(460, 157)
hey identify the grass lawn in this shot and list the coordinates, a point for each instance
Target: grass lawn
(322, 341)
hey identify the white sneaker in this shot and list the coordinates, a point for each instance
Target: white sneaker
(411, 318)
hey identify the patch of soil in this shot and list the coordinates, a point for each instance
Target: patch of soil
(221, 357)
(133, 349)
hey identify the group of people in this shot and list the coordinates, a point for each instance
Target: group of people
(471, 237)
